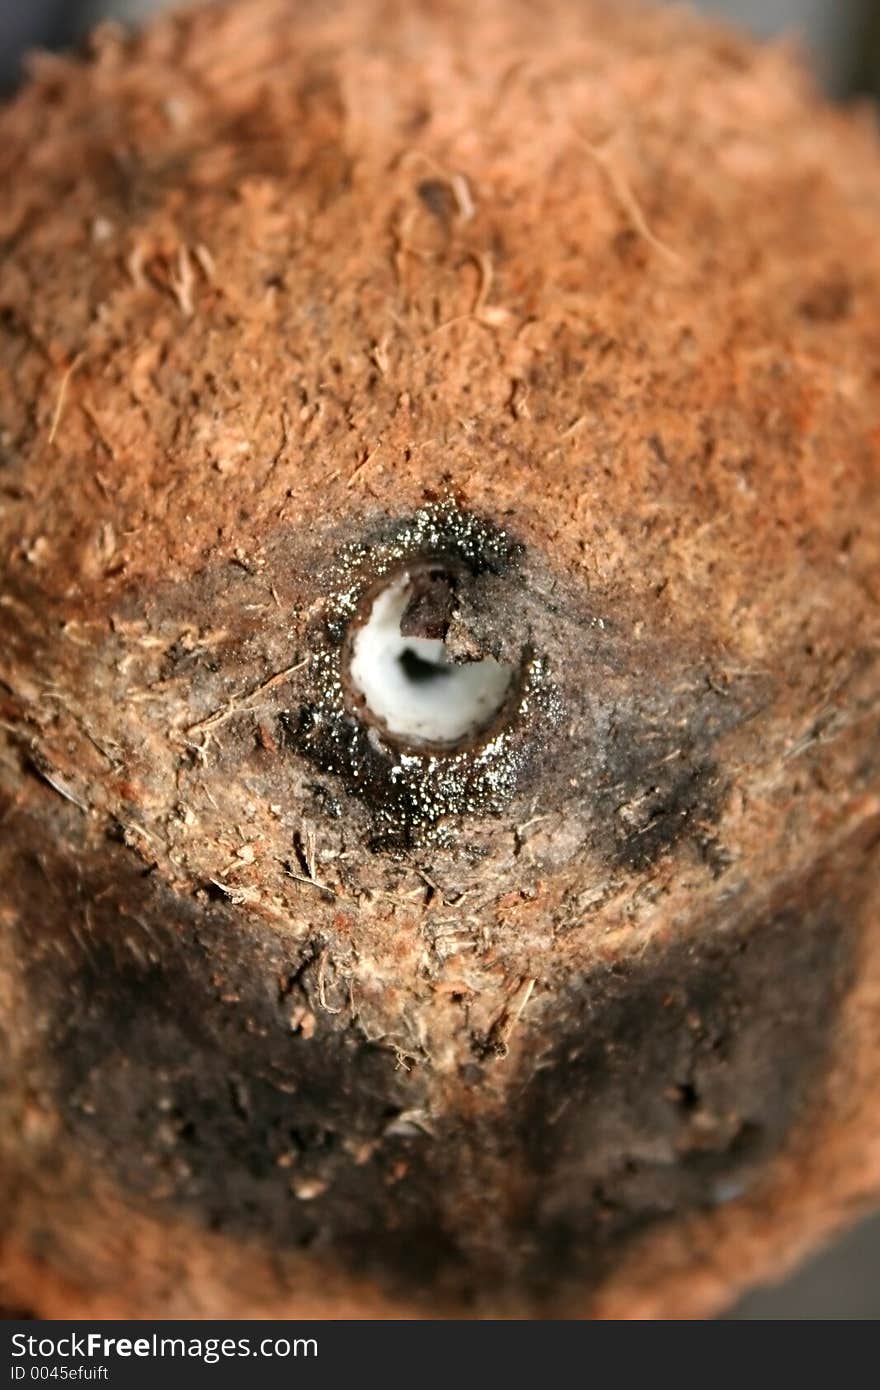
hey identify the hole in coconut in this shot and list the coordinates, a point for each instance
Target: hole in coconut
(404, 679)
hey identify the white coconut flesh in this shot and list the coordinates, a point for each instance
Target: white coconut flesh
(412, 687)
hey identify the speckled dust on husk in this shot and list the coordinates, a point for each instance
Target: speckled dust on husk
(580, 301)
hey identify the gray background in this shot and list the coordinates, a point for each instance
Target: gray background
(844, 36)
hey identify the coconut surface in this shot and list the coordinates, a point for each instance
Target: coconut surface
(572, 308)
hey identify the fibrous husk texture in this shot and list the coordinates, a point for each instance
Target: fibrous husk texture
(579, 301)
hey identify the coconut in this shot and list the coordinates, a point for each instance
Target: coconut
(438, 652)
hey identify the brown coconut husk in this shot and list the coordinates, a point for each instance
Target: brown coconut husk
(581, 301)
